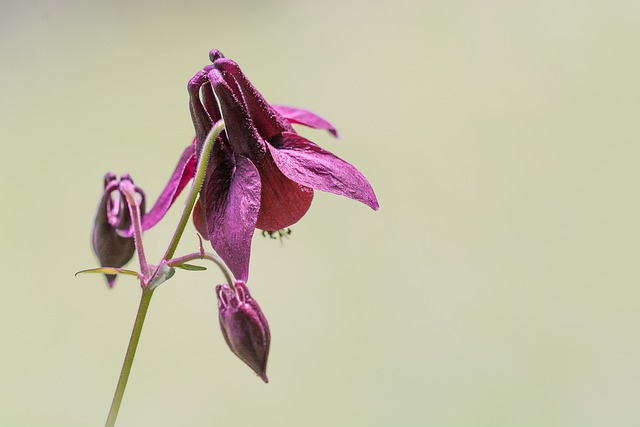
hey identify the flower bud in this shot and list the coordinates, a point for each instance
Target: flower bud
(110, 247)
(244, 327)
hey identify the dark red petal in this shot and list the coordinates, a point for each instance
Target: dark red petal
(231, 197)
(283, 201)
(307, 164)
(199, 220)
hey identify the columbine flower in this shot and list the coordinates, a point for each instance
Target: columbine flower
(113, 218)
(244, 327)
(261, 173)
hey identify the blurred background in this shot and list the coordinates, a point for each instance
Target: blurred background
(498, 285)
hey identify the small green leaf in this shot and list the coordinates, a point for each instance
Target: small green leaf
(110, 270)
(165, 272)
(191, 267)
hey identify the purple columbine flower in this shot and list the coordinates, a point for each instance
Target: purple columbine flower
(112, 219)
(244, 327)
(261, 173)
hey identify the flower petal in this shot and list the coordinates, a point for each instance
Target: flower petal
(215, 54)
(305, 117)
(199, 220)
(239, 128)
(283, 202)
(266, 119)
(201, 119)
(305, 163)
(231, 201)
(210, 103)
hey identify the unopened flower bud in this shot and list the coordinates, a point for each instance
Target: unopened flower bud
(244, 327)
(112, 249)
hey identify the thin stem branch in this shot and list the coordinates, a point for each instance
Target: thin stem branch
(128, 359)
(195, 188)
(208, 256)
(129, 191)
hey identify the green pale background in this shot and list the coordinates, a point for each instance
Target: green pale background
(498, 285)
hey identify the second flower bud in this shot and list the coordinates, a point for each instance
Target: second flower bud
(244, 327)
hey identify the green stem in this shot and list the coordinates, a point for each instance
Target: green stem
(128, 359)
(176, 262)
(195, 188)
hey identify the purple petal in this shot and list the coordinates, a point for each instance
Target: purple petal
(184, 171)
(201, 119)
(231, 200)
(210, 103)
(215, 54)
(267, 120)
(199, 220)
(305, 163)
(239, 128)
(305, 117)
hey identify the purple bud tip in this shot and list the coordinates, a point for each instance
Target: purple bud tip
(244, 327)
(215, 54)
(111, 280)
(109, 177)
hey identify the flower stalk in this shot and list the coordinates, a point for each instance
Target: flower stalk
(228, 275)
(129, 356)
(127, 188)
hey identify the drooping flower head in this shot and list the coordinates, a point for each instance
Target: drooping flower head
(112, 219)
(261, 173)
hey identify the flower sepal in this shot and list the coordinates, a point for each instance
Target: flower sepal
(162, 274)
